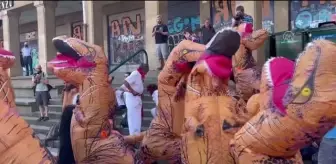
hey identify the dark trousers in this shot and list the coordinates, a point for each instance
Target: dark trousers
(28, 62)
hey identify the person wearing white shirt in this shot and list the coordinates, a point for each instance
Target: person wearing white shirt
(132, 90)
(152, 89)
(120, 95)
(27, 59)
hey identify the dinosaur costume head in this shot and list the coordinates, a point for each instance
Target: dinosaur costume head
(77, 60)
(245, 70)
(7, 59)
(85, 65)
(309, 102)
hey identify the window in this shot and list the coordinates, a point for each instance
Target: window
(308, 14)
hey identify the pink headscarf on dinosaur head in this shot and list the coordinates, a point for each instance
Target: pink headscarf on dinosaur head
(279, 72)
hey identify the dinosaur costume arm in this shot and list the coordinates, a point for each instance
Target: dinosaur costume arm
(187, 44)
(257, 39)
(253, 105)
(134, 139)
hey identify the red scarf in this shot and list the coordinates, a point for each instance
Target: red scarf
(219, 65)
(142, 73)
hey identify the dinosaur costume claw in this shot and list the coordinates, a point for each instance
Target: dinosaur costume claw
(93, 138)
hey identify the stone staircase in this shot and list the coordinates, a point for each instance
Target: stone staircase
(28, 109)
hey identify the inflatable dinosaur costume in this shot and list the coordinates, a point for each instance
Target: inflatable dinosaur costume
(245, 70)
(162, 140)
(85, 66)
(292, 118)
(17, 142)
(208, 103)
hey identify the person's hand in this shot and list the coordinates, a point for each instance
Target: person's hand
(45, 81)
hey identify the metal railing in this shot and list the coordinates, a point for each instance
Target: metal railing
(141, 51)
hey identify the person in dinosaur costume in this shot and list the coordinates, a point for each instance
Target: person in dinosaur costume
(92, 136)
(18, 143)
(292, 118)
(162, 139)
(245, 70)
(208, 102)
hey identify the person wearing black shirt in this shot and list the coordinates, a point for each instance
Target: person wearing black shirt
(207, 32)
(160, 32)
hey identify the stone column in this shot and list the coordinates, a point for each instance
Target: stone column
(153, 8)
(204, 11)
(281, 12)
(11, 38)
(94, 22)
(254, 8)
(46, 31)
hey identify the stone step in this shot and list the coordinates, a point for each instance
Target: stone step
(31, 100)
(27, 92)
(28, 105)
(26, 81)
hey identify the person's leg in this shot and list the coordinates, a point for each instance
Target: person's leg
(45, 102)
(327, 151)
(159, 55)
(39, 102)
(30, 63)
(65, 154)
(25, 60)
(120, 100)
(134, 105)
(164, 51)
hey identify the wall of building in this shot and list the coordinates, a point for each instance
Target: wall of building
(223, 12)
(179, 18)
(308, 14)
(126, 35)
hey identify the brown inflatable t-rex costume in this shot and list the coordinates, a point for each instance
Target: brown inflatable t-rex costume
(162, 140)
(245, 70)
(85, 66)
(17, 142)
(208, 103)
(294, 119)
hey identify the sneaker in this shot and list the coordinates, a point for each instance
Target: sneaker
(45, 118)
(40, 119)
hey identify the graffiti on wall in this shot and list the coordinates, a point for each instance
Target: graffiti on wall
(176, 27)
(223, 12)
(126, 36)
(308, 14)
(77, 30)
